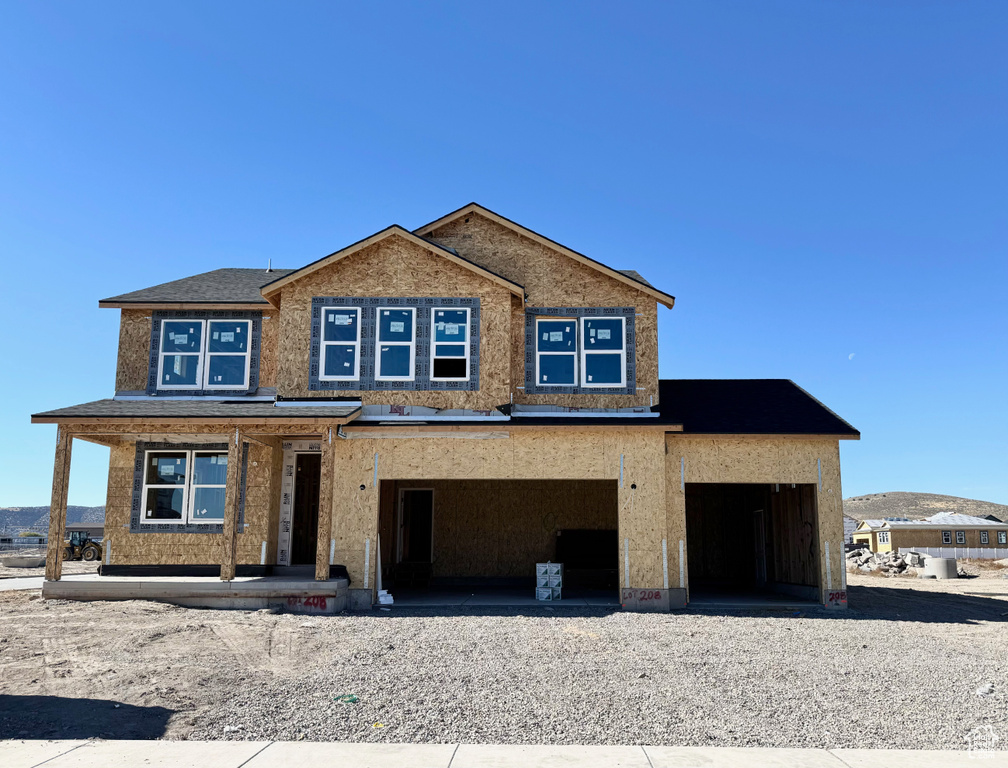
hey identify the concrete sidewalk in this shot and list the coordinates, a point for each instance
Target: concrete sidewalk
(266, 754)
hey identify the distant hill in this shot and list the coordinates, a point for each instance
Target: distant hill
(917, 506)
(26, 517)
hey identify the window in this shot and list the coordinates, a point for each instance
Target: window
(984, 539)
(184, 486)
(1002, 537)
(450, 348)
(883, 537)
(396, 344)
(340, 344)
(556, 352)
(946, 537)
(603, 352)
(204, 354)
(960, 537)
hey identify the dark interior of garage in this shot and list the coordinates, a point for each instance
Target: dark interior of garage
(752, 539)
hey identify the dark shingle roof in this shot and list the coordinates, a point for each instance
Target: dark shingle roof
(220, 286)
(633, 274)
(747, 407)
(193, 409)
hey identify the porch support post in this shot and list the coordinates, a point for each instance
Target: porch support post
(229, 558)
(325, 507)
(58, 504)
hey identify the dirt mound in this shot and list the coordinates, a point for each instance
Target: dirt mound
(917, 506)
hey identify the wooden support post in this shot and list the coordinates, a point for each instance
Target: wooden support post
(325, 507)
(229, 552)
(58, 504)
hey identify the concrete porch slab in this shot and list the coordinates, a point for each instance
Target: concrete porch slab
(250, 593)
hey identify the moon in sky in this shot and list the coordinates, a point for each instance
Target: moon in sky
(850, 356)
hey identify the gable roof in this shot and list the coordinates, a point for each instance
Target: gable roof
(627, 276)
(219, 286)
(272, 288)
(747, 407)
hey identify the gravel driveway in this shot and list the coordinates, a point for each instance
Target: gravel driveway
(900, 669)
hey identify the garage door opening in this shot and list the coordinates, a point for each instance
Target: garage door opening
(475, 540)
(756, 540)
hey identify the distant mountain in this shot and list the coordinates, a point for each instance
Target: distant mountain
(26, 517)
(917, 506)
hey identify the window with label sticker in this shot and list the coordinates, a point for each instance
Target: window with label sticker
(556, 352)
(946, 537)
(396, 344)
(341, 340)
(603, 352)
(204, 354)
(450, 347)
(960, 537)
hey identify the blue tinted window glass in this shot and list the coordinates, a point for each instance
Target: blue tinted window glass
(163, 504)
(395, 325)
(210, 469)
(556, 335)
(603, 333)
(603, 369)
(180, 369)
(228, 336)
(340, 324)
(394, 361)
(449, 350)
(227, 370)
(339, 360)
(556, 369)
(208, 504)
(181, 336)
(451, 325)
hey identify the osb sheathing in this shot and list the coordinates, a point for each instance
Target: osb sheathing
(501, 529)
(134, 350)
(395, 268)
(533, 455)
(552, 279)
(261, 510)
(731, 459)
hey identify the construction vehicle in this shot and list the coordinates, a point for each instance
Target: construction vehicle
(80, 546)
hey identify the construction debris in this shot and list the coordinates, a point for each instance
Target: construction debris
(888, 563)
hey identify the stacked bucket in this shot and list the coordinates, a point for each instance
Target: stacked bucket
(549, 581)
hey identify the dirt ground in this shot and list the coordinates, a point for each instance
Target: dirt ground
(901, 668)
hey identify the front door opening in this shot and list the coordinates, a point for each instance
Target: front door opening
(749, 538)
(415, 537)
(304, 523)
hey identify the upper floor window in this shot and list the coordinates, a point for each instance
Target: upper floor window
(341, 338)
(396, 344)
(204, 354)
(556, 352)
(603, 352)
(450, 347)
(184, 487)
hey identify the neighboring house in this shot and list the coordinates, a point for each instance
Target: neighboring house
(943, 530)
(472, 395)
(849, 526)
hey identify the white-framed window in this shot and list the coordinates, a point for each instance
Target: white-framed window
(396, 344)
(984, 537)
(883, 537)
(946, 537)
(204, 354)
(341, 342)
(449, 344)
(556, 352)
(1002, 537)
(603, 352)
(960, 537)
(184, 487)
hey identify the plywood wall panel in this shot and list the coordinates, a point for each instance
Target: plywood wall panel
(396, 267)
(134, 350)
(552, 279)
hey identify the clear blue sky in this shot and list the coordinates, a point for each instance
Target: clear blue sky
(823, 185)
